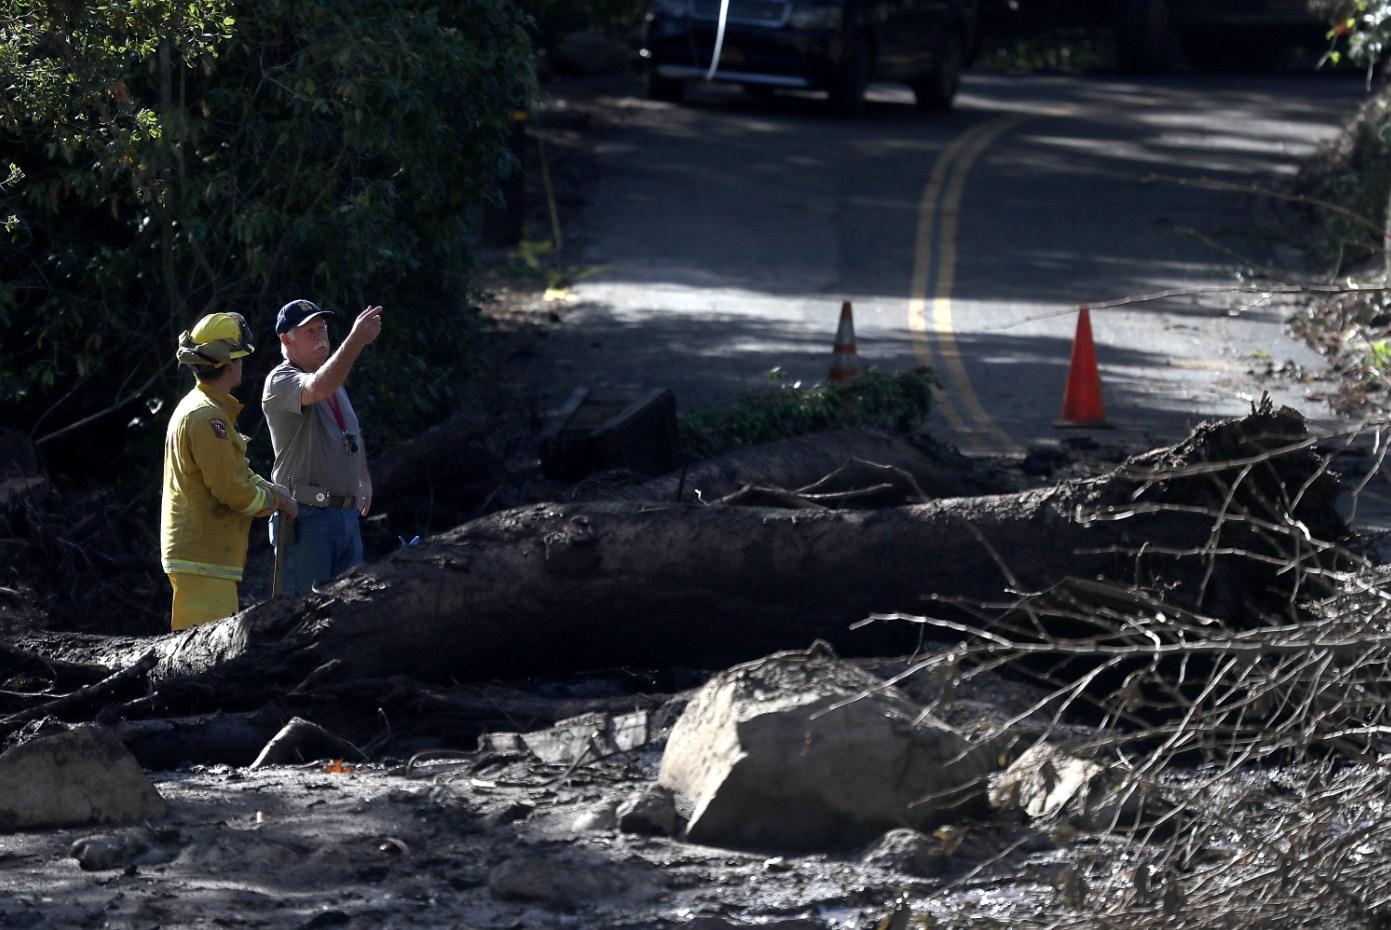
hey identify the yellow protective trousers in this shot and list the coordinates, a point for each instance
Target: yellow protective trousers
(200, 599)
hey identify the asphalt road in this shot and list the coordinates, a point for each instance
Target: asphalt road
(722, 236)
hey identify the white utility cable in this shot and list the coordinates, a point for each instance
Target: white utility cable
(719, 41)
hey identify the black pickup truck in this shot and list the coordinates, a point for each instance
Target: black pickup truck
(837, 46)
(1147, 32)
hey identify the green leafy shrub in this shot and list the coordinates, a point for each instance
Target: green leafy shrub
(1363, 31)
(1061, 51)
(233, 154)
(780, 410)
(1354, 173)
(1357, 173)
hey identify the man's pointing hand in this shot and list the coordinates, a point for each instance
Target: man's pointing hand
(367, 326)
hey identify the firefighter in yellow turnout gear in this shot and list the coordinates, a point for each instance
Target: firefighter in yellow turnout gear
(210, 493)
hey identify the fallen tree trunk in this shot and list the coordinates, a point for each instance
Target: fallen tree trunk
(562, 587)
(1216, 521)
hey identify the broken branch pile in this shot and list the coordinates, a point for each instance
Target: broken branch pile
(1244, 769)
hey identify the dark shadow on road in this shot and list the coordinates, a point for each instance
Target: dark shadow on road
(709, 361)
(731, 190)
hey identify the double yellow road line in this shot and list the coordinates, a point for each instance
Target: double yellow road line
(934, 274)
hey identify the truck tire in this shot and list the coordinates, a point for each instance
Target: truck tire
(937, 89)
(667, 90)
(848, 92)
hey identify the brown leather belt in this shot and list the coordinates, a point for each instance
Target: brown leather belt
(331, 500)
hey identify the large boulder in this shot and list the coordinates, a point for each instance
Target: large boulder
(79, 777)
(801, 751)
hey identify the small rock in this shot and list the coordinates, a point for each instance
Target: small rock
(721, 923)
(650, 813)
(1043, 782)
(907, 851)
(565, 877)
(597, 819)
(1050, 785)
(517, 810)
(125, 850)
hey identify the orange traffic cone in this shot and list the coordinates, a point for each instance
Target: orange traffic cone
(1082, 404)
(845, 363)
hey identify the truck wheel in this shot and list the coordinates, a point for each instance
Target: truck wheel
(665, 89)
(937, 89)
(848, 93)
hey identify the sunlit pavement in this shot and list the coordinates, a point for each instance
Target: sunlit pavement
(722, 235)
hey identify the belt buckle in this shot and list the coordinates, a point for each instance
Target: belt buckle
(321, 497)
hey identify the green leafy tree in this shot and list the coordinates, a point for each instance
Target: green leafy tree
(1365, 27)
(177, 158)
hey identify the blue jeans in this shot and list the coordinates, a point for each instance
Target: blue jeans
(328, 542)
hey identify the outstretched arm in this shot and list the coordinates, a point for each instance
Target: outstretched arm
(322, 383)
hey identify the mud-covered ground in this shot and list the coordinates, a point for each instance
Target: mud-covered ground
(497, 839)
(498, 846)
(505, 843)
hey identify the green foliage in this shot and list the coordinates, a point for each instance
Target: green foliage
(1379, 357)
(1062, 51)
(1355, 174)
(780, 410)
(1364, 29)
(63, 63)
(184, 156)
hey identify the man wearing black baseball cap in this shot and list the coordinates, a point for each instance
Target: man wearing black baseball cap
(319, 452)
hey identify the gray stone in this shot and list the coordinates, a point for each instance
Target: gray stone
(1043, 782)
(906, 851)
(121, 850)
(566, 877)
(801, 751)
(510, 813)
(83, 776)
(721, 923)
(1051, 785)
(586, 737)
(597, 819)
(651, 812)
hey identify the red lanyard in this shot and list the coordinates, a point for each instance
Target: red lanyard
(337, 413)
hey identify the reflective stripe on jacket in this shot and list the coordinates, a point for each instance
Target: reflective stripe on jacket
(210, 493)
